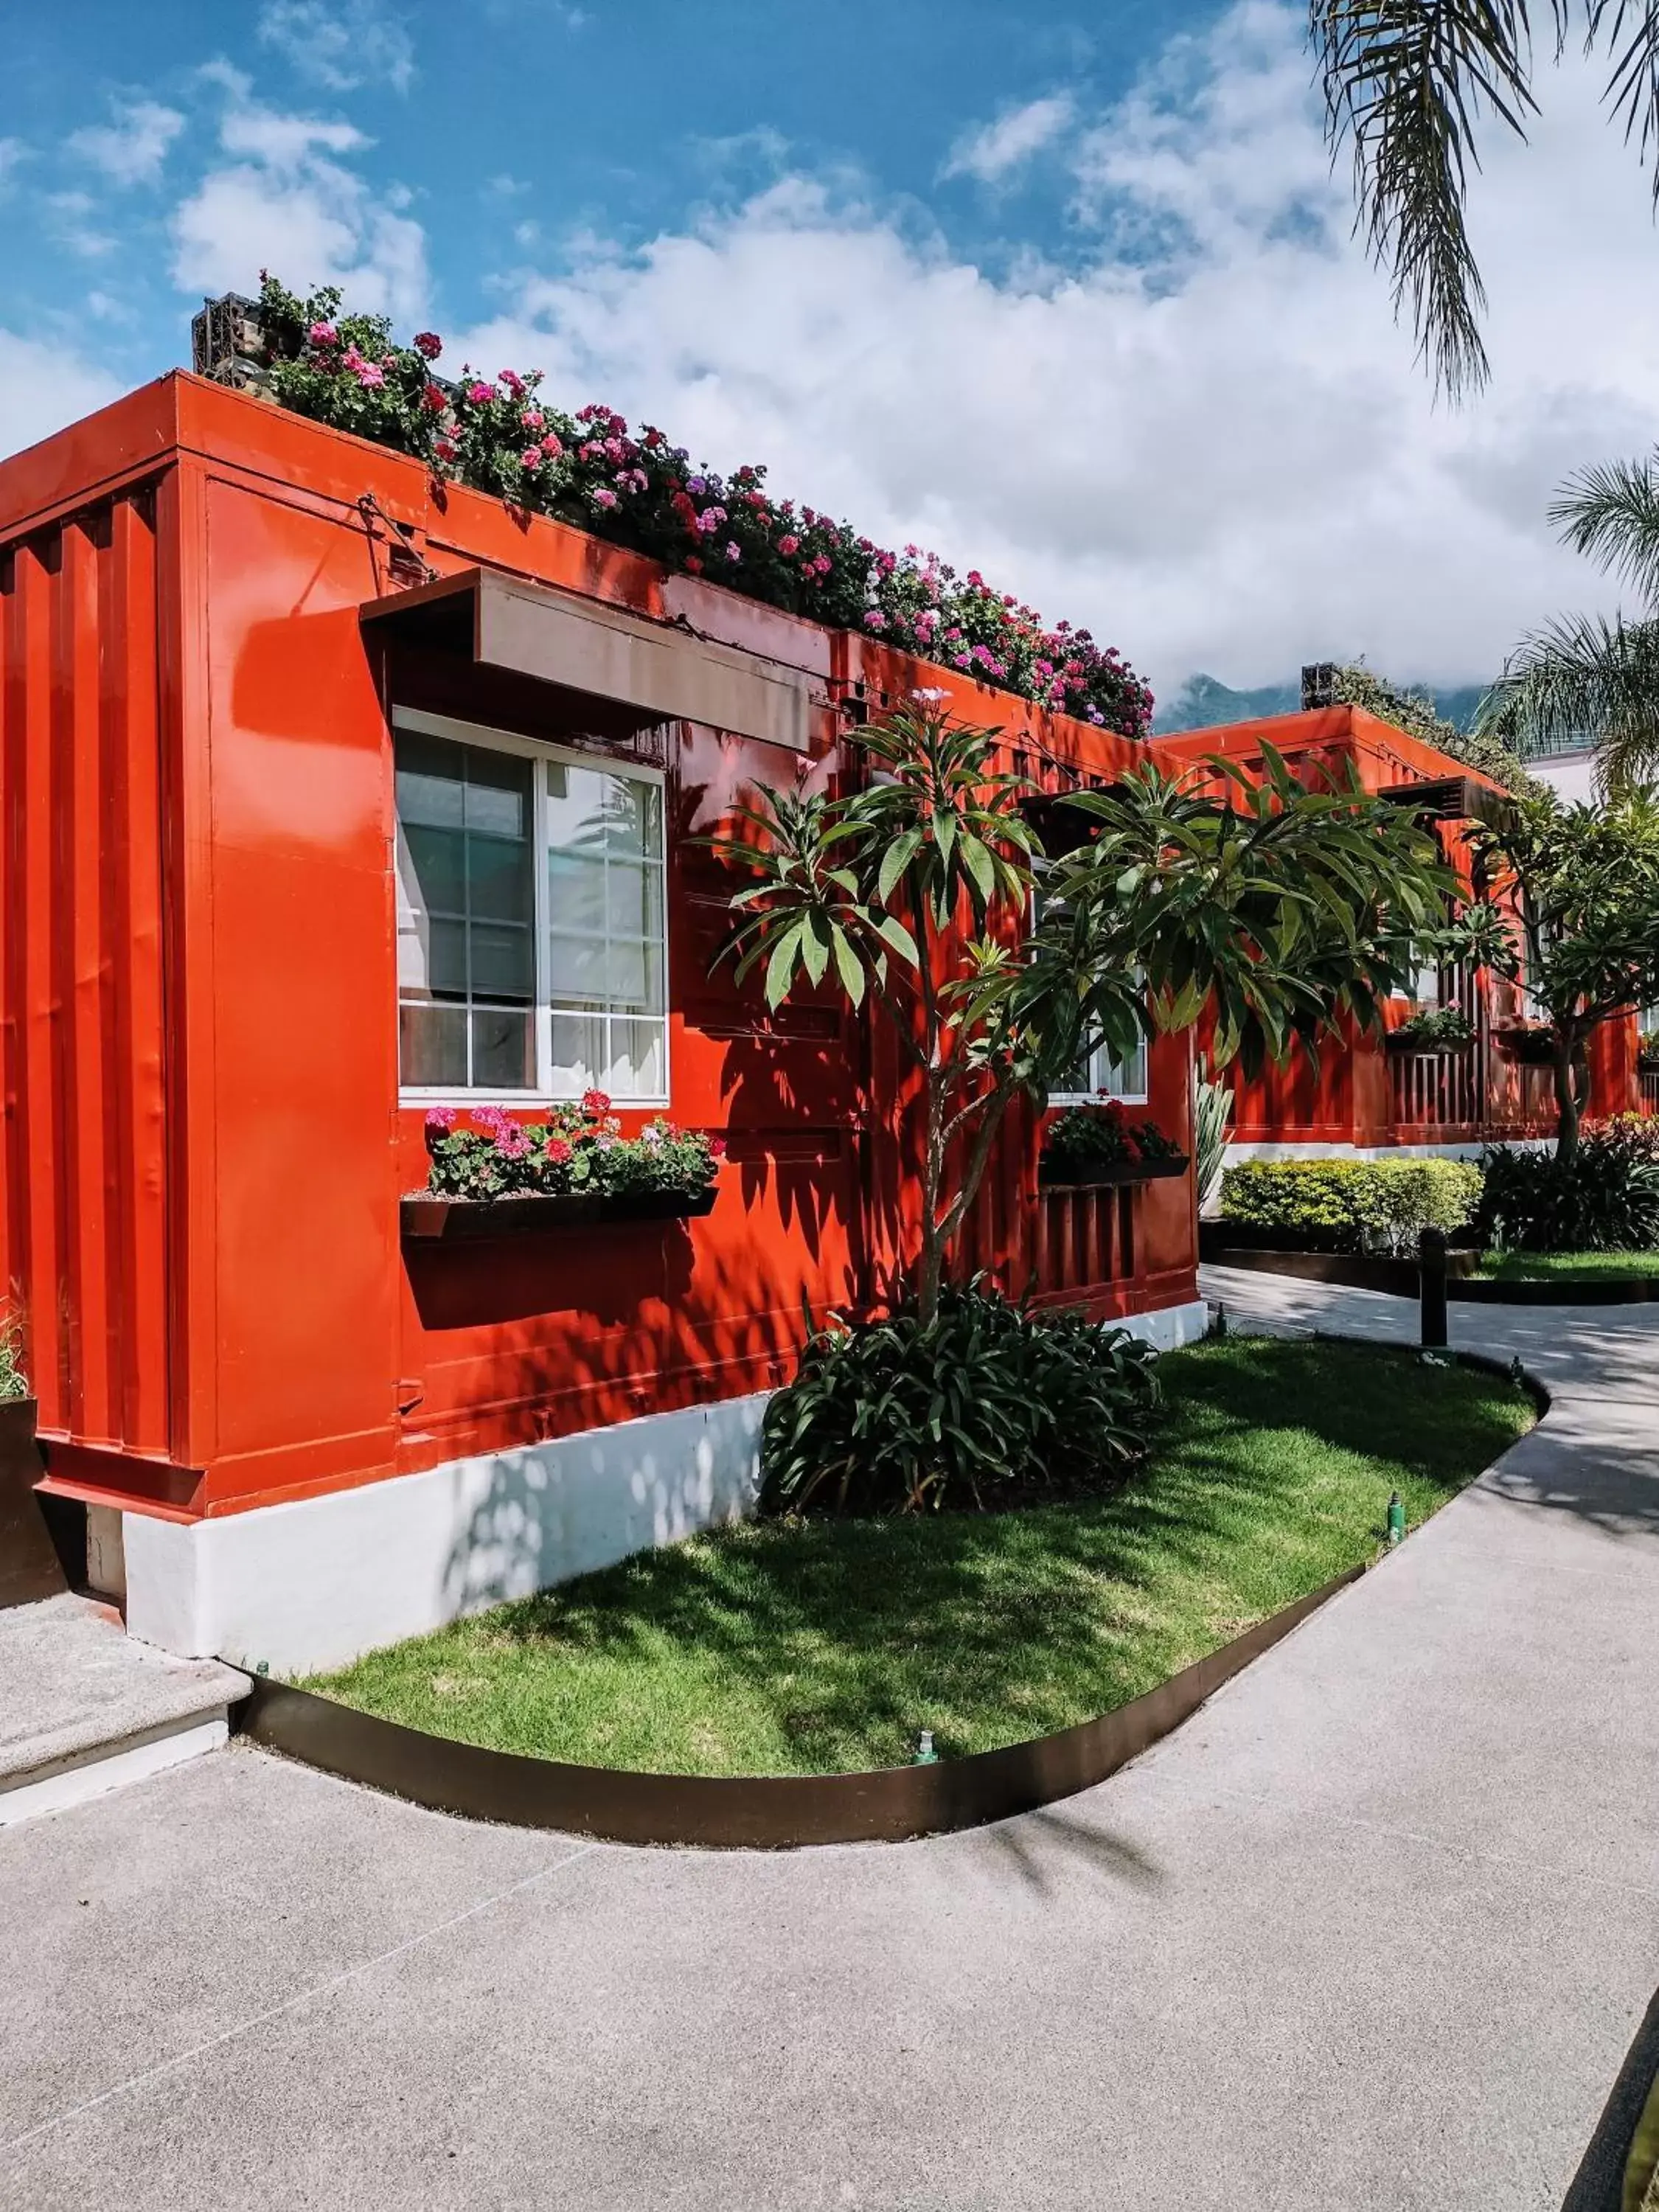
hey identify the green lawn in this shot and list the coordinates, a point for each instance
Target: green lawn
(1539, 1267)
(804, 1649)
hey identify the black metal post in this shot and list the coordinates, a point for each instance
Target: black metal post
(1431, 1272)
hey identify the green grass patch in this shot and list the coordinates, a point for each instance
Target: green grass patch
(1576, 1266)
(780, 1649)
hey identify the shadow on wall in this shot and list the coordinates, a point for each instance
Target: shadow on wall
(527, 1519)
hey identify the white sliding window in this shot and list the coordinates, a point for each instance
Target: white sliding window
(532, 920)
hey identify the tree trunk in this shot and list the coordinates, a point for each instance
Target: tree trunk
(1566, 1101)
(931, 1272)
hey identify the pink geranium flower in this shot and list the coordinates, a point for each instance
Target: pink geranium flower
(513, 381)
(532, 458)
(322, 334)
(788, 544)
(552, 447)
(481, 394)
(604, 496)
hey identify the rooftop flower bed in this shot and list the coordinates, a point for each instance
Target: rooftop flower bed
(590, 469)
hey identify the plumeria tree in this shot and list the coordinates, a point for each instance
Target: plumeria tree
(998, 969)
(1579, 924)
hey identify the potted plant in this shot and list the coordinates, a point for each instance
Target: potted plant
(1647, 1049)
(1090, 1146)
(1433, 1029)
(494, 1176)
(29, 1569)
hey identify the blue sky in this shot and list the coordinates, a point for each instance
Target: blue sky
(1068, 293)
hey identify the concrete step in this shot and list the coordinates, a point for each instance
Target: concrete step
(84, 1707)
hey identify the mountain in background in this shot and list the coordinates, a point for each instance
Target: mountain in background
(1203, 703)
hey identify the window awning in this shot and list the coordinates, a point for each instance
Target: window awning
(560, 637)
(1450, 799)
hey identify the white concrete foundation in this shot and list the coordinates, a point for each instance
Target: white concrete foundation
(300, 1587)
(1168, 1329)
(1236, 1154)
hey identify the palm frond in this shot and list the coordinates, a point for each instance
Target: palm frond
(1585, 678)
(1405, 82)
(1632, 89)
(1611, 514)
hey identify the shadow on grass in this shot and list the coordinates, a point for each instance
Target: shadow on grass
(840, 1639)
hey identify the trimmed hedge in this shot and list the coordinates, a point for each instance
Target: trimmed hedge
(1350, 1206)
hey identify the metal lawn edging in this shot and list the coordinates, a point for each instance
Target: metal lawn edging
(748, 1811)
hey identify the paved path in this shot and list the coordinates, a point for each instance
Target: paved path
(1374, 1933)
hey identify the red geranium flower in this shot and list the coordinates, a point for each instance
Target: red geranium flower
(596, 1101)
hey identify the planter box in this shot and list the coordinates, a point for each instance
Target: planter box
(423, 1220)
(1361, 1270)
(29, 1566)
(1530, 1047)
(1443, 1049)
(1110, 1173)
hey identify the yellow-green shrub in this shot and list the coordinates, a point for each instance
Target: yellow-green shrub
(1350, 1206)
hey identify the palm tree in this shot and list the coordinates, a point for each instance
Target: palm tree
(1406, 83)
(1587, 676)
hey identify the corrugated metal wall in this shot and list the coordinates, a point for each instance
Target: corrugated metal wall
(82, 1067)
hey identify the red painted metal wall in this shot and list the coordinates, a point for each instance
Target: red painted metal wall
(84, 1226)
(1360, 1093)
(205, 1143)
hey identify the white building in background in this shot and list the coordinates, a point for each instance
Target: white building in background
(1570, 772)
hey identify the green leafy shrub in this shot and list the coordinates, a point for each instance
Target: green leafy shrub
(1350, 1206)
(986, 1405)
(1415, 713)
(1635, 1134)
(1604, 1199)
(1436, 1029)
(1211, 1118)
(1647, 1045)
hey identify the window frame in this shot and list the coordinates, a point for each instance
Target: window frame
(1067, 1098)
(1140, 1097)
(542, 751)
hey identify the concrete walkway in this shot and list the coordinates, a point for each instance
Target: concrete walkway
(1374, 1933)
(85, 1708)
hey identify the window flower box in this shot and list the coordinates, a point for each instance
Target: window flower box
(1439, 1029)
(1533, 1046)
(424, 1219)
(501, 1177)
(1090, 1146)
(1101, 1174)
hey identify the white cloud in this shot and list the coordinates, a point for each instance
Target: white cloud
(995, 149)
(12, 151)
(131, 150)
(287, 202)
(42, 387)
(343, 46)
(1207, 441)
